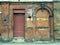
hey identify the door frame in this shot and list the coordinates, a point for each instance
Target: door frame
(24, 20)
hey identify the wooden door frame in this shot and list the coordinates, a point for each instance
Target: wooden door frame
(24, 21)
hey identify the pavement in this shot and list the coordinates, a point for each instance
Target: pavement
(58, 43)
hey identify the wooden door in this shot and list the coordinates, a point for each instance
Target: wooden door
(18, 25)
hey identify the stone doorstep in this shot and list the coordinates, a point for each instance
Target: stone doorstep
(43, 41)
(18, 39)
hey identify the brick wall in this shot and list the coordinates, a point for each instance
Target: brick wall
(7, 31)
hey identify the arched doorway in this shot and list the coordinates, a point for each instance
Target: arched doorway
(42, 24)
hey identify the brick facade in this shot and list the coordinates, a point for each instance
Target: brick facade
(42, 18)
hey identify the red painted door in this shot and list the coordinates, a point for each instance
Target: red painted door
(18, 25)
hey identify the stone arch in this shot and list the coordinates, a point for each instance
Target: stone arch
(48, 9)
(42, 20)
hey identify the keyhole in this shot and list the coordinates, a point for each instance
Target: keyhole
(29, 17)
(4, 19)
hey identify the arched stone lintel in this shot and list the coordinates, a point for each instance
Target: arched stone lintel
(49, 10)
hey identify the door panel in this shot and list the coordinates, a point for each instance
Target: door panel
(18, 25)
